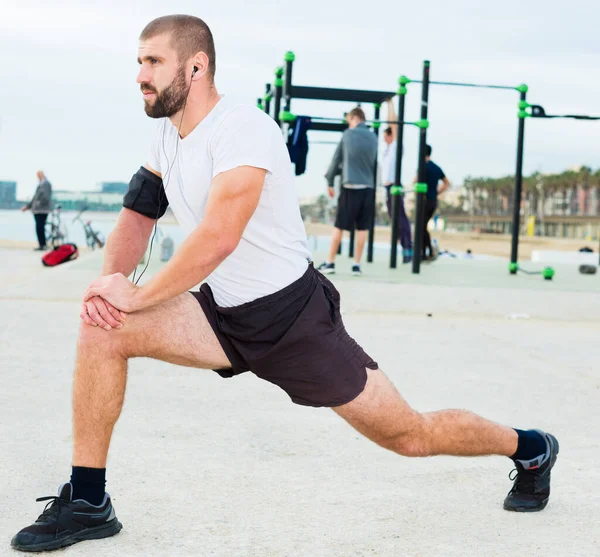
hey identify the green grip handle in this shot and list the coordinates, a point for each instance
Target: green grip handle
(286, 116)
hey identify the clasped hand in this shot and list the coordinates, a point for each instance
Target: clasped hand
(108, 300)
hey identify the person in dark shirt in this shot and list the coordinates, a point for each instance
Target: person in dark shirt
(356, 154)
(433, 176)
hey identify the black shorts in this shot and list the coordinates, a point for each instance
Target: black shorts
(295, 339)
(355, 209)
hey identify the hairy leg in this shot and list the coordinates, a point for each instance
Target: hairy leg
(176, 331)
(382, 415)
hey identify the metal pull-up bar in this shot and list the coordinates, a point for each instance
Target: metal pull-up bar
(459, 84)
(421, 185)
(376, 123)
(344, 95)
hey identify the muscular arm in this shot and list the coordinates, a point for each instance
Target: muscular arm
(127, 243)
(233, 199)
(123, 251)
(128, 240)
(231, 203)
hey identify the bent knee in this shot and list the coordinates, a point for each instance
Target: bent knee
(411, 446)
(411, 443)
(96, 339)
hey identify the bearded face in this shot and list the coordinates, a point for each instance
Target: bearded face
(169, 101)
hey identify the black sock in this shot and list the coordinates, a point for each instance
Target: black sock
(530, 445)
(88, 484)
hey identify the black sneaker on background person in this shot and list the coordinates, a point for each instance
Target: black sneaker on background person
(531, 490)
(65, 522)
(356, 270)
(326, 268)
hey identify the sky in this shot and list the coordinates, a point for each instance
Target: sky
(69, 103)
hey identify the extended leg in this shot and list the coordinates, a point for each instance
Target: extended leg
(382, 415)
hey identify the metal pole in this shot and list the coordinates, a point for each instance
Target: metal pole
(398, 175)
(287, 95)
(278, 93)
(268, 97)
(420, 207)
(287, 87)
(514, 249)
(371, 238)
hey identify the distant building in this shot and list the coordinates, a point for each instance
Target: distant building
(8, 195)
(114, 187)
(90, 200)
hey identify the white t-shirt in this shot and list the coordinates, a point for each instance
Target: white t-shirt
(273, 251)
(388, 164)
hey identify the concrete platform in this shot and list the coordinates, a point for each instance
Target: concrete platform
(200, 465)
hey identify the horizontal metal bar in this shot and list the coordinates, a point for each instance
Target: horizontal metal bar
(328, 127)
(340, 120)
(335, 126)
(571, 116)
(346, 95)
(458, 84)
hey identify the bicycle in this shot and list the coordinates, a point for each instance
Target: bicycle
(56, 233)
(93, 239)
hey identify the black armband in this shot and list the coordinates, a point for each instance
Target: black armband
(146, 194)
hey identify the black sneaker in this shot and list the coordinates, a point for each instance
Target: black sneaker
(327, 268)
(531, 490)
(356, 270)
(65, 522)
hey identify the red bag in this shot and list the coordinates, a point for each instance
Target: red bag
(59, 255)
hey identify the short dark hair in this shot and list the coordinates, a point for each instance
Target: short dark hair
(188, 35)
(388, 131)
(427, 150)
(358, 112)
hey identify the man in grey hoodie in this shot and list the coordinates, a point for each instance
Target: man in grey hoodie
(357, 156)
(41, 205)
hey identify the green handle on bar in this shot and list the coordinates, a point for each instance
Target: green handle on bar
(286, 116)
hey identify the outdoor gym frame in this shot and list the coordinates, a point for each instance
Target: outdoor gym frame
(286, 91)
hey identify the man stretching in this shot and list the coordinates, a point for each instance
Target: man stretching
(226, 173)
